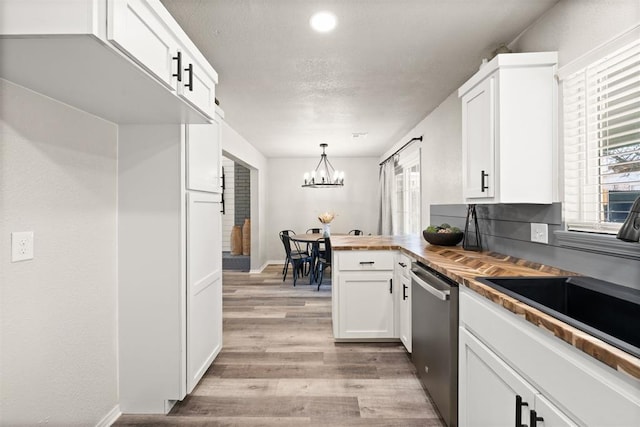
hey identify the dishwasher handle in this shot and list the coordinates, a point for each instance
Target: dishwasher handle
(442, 294)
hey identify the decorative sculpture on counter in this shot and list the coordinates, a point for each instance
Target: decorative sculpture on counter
(472, 239)
(630, 230)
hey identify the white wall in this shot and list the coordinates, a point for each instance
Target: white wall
(239, 149)
(58, 169)
(441, 156)
(572, 27)
(291, 207)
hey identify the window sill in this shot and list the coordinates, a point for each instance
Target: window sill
(605, 244)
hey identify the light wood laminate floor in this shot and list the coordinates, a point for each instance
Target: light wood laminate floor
(279, 366)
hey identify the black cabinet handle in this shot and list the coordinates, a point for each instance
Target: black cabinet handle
(482, 177)
(519, 405)
(404, 292)
(534, 418)
(189, 85)
(367, 262)
(390, 286)
(178, 59)
(402, 264)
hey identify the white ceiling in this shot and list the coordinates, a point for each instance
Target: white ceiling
(388, 63)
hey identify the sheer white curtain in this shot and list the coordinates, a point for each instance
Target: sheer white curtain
(385, 222)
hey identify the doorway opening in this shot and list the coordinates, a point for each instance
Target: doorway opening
(236, 217)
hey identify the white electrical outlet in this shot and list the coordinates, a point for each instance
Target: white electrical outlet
(539, 233)
(21, 246)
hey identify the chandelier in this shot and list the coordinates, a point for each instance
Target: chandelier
(324, 175)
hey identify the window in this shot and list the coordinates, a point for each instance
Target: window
(601, 109)
(406, 204)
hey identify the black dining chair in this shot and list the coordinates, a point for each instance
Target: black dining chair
(324, 260)
(356, 232)
(295, 256)
(286, 259)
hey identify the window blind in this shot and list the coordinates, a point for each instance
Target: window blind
(601, 113)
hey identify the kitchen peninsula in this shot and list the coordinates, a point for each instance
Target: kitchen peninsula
(580, 374)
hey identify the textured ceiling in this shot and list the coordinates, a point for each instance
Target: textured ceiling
(388, 63)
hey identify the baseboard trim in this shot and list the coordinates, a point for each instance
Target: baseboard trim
(261, 269)
(110, 418)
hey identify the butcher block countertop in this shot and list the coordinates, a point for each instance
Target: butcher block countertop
(463, 266)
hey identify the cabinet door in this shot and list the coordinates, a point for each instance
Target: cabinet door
(490, 393)
(478, 141)
(137, 28)
(405, 311)
(203, 157)
(550, 415)
(197, 87)
(366, 305)
(204, 284)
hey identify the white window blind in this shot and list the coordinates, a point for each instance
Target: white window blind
(601, 113)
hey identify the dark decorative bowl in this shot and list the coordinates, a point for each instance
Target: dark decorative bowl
(443, 239)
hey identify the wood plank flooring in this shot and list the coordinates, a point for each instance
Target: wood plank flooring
(279, 366)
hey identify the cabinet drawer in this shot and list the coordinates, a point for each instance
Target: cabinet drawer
(584, 388)
(403, 264)
(365, 260)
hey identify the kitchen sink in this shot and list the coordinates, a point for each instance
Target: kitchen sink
(605, 310)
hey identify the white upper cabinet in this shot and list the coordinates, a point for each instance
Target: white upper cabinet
(147, 33)
(478, 134)
(123, 60)
(509, 126)
(136, 28)
(197, 86)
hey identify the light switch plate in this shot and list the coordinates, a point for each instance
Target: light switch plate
(21, 246)
(539, 233)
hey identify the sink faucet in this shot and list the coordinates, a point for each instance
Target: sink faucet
(630, 230)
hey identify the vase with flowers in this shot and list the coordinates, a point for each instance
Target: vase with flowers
(326, 219)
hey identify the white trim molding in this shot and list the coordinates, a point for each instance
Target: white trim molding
(600, 52)
(605, 244)
(110, 418)
(263, 266)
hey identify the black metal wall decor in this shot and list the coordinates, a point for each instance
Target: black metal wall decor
(472, 239)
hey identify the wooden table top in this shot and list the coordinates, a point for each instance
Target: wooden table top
(312, 237)
(464, 266)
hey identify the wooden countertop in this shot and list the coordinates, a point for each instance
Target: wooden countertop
(463, 266)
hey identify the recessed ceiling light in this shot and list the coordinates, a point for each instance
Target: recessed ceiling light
(323, 22)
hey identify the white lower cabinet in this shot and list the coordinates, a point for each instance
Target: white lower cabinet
(366, 305)
(403, 300)
(363, 295)
(204, 284)
(492, 394)
(405, 312)
(503, 356)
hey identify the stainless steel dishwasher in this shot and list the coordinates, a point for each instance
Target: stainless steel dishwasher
(434, 320)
